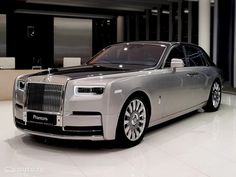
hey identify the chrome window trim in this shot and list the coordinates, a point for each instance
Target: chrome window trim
(168, 53)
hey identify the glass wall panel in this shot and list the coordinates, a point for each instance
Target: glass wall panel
(132, 34)
(195, 22)
(142, 27)
(175, 21)
(153, 23)
(104, 33)
(185, 16)
(164, 22)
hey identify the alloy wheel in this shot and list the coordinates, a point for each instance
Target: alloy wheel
(216, 94)
(135, 119)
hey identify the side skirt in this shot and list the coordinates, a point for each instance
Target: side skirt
(172, 116)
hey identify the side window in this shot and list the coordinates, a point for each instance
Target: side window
(195, 56)
(207, 59)
(176, 52)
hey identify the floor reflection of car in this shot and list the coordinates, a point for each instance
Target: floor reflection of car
(119, 93)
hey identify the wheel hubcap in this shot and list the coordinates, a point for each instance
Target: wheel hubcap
(216, 94)
(135, 120)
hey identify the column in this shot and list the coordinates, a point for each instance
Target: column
(171, 22)
(190, 21)
(147, 24)
(158, 22)
(137, 27)
(204, 25)
(215, 32)
(120, 29)
(234, 59)
(180, 20)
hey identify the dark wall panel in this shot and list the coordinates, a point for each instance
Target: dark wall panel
(30, 40)
(225, 38)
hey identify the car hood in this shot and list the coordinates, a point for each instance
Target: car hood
(84, 71)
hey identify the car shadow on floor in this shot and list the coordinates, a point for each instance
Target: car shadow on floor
(70, 144)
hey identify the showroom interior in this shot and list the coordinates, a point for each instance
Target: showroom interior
(39, 34)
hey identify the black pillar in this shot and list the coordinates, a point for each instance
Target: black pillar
(225, 38)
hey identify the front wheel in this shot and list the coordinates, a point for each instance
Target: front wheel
(132, 123)
(214, 99)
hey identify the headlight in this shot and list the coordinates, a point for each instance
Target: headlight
(20, 85)
(89, 90)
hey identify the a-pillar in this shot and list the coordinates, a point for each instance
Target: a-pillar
(204, 25)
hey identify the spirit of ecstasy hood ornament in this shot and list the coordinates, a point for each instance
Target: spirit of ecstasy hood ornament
(49, 70)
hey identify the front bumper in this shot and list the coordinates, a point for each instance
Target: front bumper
(77, 117)
(94, 133)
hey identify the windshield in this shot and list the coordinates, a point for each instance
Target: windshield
(144, 55)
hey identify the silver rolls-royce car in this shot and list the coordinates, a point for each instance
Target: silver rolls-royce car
(119, 93)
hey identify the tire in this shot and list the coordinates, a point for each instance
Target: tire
(214, 99)
(133, 122)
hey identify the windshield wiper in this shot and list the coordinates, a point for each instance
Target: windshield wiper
(107, 67)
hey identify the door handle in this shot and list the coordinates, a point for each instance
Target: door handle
(192, 74)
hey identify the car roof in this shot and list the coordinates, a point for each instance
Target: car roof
(147, 42)
(167, 43)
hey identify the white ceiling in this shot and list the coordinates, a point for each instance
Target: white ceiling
(134, 5)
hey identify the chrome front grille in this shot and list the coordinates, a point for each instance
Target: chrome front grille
(44, 97)
(19, 96)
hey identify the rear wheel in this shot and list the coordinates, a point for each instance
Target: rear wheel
(133, 122)
(214, 99)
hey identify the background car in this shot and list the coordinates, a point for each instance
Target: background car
(122, 91)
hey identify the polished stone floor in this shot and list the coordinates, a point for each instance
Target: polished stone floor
(196, 145)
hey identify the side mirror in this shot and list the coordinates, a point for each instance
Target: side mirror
(177, 63)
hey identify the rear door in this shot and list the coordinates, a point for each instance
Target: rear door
(196, 65)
